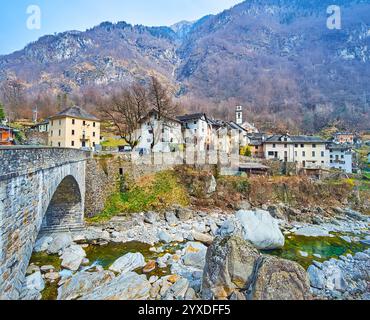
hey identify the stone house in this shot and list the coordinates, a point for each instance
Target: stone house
(306, 151)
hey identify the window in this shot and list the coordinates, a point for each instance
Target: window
(303, 153)
(342, 157)
(296, 145)
(60, 122)
(73, 143)
(58, 144)
(271, 153)
(322, 154)
(51, 133)
(84, 123)
(274, 145)
(73, 121)
(331, 161)
(302, 145)
(94, 134)
(314, 146)
(94, 144)
(73, 132)
(60, 132)
(296, 153)
(52, 123)
(285, 146)
(94, 124)
(313, 153)
(195, 122)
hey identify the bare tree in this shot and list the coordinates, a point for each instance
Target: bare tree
(125, 111)
(161, 103)
(12, 92)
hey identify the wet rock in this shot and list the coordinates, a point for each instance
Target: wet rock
(279, 279)
(149, 267)
(312, 231)
(72, 257)
(128, 262)
(35, 282)
(83, 283)
(129, 286)
(229, 267)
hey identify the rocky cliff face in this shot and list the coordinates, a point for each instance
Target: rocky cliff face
(274, 55)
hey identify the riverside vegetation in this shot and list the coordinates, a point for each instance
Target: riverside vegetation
(167, 235)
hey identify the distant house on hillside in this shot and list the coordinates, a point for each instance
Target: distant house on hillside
(341, 157)
(74, 128)
(344, 138)
(7, 135)
(41, 126)
(306, 151)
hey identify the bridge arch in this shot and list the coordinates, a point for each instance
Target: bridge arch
(65, 207)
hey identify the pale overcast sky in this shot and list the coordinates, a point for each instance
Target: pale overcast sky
(63, 15)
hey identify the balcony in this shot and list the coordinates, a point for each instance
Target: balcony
(84, 138)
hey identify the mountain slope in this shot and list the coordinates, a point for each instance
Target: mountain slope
(277, 57)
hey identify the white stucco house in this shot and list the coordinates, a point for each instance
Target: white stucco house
(164, 133)
(306, 151)
(341, 157)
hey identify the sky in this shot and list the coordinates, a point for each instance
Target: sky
(63, 15)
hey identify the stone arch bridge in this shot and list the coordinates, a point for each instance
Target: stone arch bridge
(40, 189)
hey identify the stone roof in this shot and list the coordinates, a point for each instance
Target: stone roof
(75, 112)
(188, 117)
(294, 139)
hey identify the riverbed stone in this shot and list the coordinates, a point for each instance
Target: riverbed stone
(128, 262)
(60, 241)
(151, 217)
(177, 291)
(83, 283)
(171, 218)
(202, 237)
(164, 237)
(72, 257)
(279, 279)
(312, 231)
(43, 243)
(128, 286)
(316, 276)
(35, 282)
(230, 263)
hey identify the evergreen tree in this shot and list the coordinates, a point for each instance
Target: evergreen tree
(2, 112)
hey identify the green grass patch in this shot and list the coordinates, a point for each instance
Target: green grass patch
(153, 192)
(114, 143)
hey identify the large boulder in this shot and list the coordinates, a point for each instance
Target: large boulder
(279, 279)
(35, 282)
(258, 227)
(83, 283)
(72, 257)
(129, 286)
(60, 241)
(43, 243)
(128, 262)
(229, 267)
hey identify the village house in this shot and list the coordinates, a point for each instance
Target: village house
(41, 126)
(341, 157)
(306, 151)
(344, 137)
(198, 130)
(74, 128)
(164, 134)
(7, 135)
(256, 144)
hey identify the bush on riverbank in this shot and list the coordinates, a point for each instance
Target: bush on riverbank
(151, 192)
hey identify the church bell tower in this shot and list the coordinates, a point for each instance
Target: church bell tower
(239, 115)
